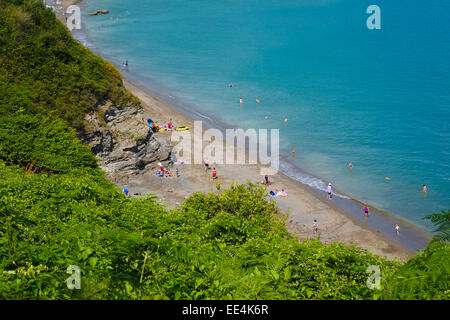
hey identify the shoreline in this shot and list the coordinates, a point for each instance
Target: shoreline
(303, 203)
(346, 228)
(382, 222)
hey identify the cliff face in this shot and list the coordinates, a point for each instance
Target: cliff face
(123, 140)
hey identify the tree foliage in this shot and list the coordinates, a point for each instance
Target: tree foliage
(442, 223)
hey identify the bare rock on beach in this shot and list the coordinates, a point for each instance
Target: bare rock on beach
(96, 13)
(125, 143)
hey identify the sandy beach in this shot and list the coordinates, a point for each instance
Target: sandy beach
(302, 204)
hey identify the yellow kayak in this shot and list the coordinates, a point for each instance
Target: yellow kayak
(181, 128)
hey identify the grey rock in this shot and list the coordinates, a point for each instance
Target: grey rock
(122, 140)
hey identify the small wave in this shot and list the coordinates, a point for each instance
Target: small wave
(293, 172)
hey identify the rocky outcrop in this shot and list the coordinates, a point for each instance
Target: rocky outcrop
(96, 13)
(122, 139)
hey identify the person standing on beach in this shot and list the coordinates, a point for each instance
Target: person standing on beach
(206, 164)
(315, 226)
(125, 190)
(214, 174)
(366, 211)
(397, 230)
(329, 191)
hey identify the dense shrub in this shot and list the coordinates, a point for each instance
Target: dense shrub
(43, 69)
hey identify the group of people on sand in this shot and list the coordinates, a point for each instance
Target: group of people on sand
(166, 172)
(276, 193)
(156, 127)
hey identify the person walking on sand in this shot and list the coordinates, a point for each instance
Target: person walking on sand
(329, 191)
(125, 191)
(315, 226)
(397, 230)
(230, 85)
(206, 164)
(214, 174)
(366, 211)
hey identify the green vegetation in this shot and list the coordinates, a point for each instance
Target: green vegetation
(57, 209)
(46, 71)
(442, 223)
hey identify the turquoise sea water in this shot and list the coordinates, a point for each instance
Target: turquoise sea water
(378, 98)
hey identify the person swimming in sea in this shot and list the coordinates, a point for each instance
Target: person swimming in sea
(230, 85)
(241, 101)
(257, 100)
(424, 189)
(350, 165)
(266, 117)
(285, 120)
(293, 150)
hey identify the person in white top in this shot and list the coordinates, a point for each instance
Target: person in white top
(329, 191)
